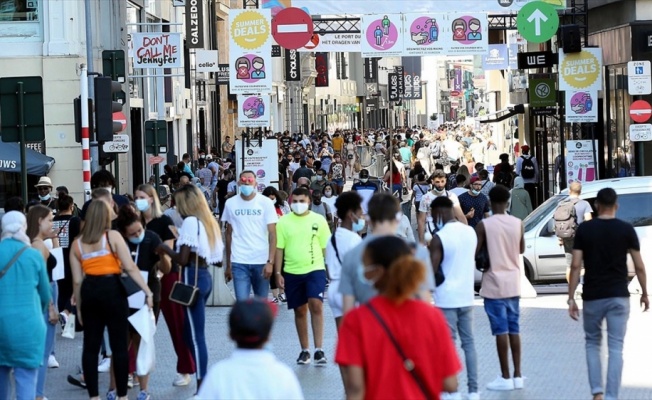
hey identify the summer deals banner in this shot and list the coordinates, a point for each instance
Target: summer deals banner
(250, 51)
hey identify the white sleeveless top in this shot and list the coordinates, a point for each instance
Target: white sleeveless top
(459, 242)
(198, 243)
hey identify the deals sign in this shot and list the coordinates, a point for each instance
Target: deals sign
(580, 71)
(382, 35)
(582, 106)
(253, 111)
(250, 51)
(157, 50)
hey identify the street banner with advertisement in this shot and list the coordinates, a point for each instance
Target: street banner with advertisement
(341, 42)
(466, 34)
(582, 106)
(412, 78)
(581, 71)
(580, 161)
(497, 58)
(250, 51)
(359, 7)
(262, 160)
(424, 34)
(157, 50)
(381, 35)
(253, 111)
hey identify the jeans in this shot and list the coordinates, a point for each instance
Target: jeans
(194, 324)
(25, 380)
(104, 305)
(461, 320)
(49, 343)
(248, 276)
(616, 311)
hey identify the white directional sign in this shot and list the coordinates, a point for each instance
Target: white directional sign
(640, 132)
(119, 144)
(639, 78)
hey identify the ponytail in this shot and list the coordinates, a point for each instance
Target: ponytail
(404, 276)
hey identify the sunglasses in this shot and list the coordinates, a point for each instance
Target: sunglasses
(247, 179)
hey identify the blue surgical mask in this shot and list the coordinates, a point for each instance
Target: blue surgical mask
(45, 198)
(142, 204)
(138, 239)
(439, 224)
(358, 225)
(475, 192)
(246, 190)
(362, 278)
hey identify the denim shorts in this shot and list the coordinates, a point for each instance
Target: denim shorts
(300, 288)
(503, 315)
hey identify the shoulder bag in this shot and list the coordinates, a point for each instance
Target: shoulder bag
(12, 261)
(182, 293)
(128, 284)
(408, 364)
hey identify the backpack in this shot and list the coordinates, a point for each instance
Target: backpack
(565, 218)
(436, 149)
(527, 168)
(504, 177)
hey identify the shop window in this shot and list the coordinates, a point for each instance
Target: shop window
(18, 10)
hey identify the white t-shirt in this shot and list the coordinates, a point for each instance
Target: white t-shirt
(331, 204)
(249, 220)
(459, 242)
(199, 243)
(250, 374)
(428, 198)
(294, 166)
(346, 240)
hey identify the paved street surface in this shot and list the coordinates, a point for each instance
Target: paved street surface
(553, 356)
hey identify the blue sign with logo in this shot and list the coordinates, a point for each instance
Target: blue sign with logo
(497, 58)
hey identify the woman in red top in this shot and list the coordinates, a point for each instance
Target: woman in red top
(396, 179)
(372, 365)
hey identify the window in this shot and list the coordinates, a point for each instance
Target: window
(18, 10)
(635, 208)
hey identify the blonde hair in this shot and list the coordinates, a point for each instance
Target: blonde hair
(156, 204)
(99, 212)
(190, 201)
(34, 216)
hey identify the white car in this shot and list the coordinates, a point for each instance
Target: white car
(545, 260)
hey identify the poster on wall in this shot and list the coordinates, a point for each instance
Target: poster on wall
(580, 161)
(424, 33)
(582, 106)
(250, 51)
(253, 111)
(262, 160)
(157, 50)
(381, 35)
(466, 34)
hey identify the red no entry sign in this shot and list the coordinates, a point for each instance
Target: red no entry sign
(292, 28)
(640, 111)
(119, 116)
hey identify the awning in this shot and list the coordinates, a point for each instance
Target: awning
(37, 164)
(503, 114)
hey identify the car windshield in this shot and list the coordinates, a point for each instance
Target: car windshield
(543, 211)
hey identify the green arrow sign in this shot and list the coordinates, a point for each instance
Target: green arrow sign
(537, 22)
(542, 92)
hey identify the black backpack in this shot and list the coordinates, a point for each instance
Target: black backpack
(527, 168)
(504, 177)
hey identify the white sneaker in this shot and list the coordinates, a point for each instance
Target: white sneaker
(182, 380)
(451, 396)
(518, 382)
(105, 365)
(474, 396)
(52, 362)
(501, 383)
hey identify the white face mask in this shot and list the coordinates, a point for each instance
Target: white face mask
(299, 208)
(364, 180)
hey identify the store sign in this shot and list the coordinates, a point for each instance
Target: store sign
(497, 58)
(542, 92)
(394, 94)
(292, 66)
(157, 50)
(195, 24)
(400, 72)
(580, 71)
(321, 65)
(537, 59)
(223, 74)
(412, 78)
(206, 61)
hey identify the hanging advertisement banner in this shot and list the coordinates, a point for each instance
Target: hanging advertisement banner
(334, 42)
(223, 74)
(580, 161)
(400, 72)
(582, 106)
(466, 34)
(333, 7)
(412, 77)
(157, 50)
(581, 71)
(321, 65)
(253, 111)
(206, 61)
(394, 94)
(423, 33)
(292, 66)
(381, 35)
(497, 58)
(261, 159)
(195, 24)
(250, 51)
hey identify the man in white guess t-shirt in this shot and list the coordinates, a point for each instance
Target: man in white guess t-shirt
(250, 238)
(426, 227)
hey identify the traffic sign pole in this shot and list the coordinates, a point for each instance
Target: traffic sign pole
(85, 134)
(23, 156)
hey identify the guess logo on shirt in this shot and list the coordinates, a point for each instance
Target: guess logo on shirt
(246, 211)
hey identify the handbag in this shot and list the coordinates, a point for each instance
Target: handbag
(408, 364)
(181, 292)
(482, 262)
(128, 284)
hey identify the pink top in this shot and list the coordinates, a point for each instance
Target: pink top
(503, 235)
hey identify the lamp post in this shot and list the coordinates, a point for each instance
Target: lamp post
(425, 92)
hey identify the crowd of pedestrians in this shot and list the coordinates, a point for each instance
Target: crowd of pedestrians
(307, 241)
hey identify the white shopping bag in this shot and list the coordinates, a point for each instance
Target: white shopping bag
(69, 328)
(221, 296)
(144, 323)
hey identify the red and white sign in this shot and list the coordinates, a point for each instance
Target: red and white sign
(119, 116)
(292, 28)
(455, 93)
(640, 111)
(155, 160)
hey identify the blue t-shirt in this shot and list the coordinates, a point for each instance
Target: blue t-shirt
(479, 203)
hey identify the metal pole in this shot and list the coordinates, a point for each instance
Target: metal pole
(114, 76)
(23, 144)
(156, 166)
(85, 134)
(94, 155)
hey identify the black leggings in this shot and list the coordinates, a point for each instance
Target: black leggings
(104, 305)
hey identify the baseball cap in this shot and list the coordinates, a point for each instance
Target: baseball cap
(525, 147)
(474, 179)
(251, 322)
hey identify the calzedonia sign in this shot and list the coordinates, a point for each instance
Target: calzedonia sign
(194, 24)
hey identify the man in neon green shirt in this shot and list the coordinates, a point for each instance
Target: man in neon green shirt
(301, 242)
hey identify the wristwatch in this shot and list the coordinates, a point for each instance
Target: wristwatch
(569, 301)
